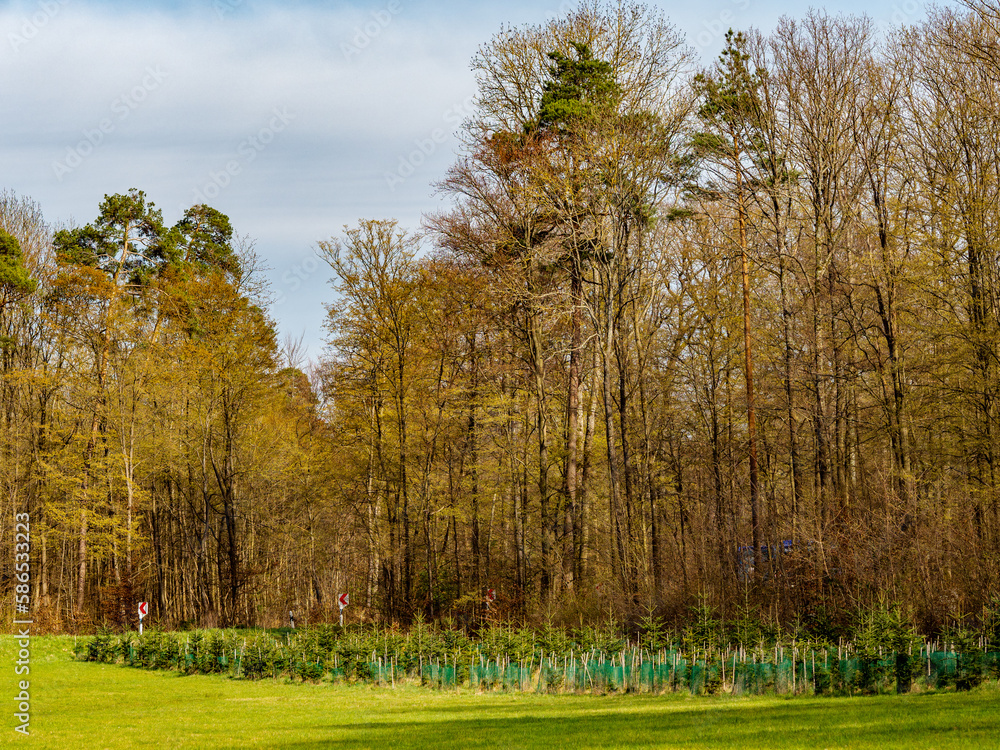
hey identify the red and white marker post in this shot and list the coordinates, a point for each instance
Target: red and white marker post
(491, 596)
(143, 611)
(343, 600)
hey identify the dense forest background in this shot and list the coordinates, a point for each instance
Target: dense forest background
(726, 336)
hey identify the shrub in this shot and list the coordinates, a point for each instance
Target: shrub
(968, 659)
(653, 634)
(257, 658)
(215, 657)
(705, 630)
(883, 636)
(101, 647)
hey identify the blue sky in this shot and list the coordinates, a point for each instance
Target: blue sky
(293, 118)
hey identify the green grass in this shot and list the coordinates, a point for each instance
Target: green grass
(82, 705)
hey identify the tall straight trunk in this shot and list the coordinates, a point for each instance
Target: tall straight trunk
(128, 453)
(653, 491)
(748, 368)
(572, 416)
(819, 428)
(793, 449)
(618, 555)
(427, 518)
(541, 434)
(819, 418)
(642, 338)
(81, 591)
(390, 575)
(403, 488)
(839, 420)
(886, 302)
(979, 313)
(224, 476)
(43, 573)
(629, 505)
(374, 553)
(473, 453)
(521, 510)
(156, 524)
(722, 520)
(581, 517)
(232, 554)
(88, 466)
(677, 465)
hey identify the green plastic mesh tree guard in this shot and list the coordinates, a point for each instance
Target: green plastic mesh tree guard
(778, 670)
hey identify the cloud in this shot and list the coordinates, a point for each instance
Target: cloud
(178, 99)
(370, 89)
(223, 73)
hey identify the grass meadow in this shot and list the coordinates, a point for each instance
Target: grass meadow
(88, 705)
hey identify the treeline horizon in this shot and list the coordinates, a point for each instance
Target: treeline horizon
(725, 336)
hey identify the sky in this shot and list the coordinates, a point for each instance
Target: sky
(293, 118)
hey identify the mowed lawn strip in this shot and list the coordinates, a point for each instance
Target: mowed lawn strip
(83, 705)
